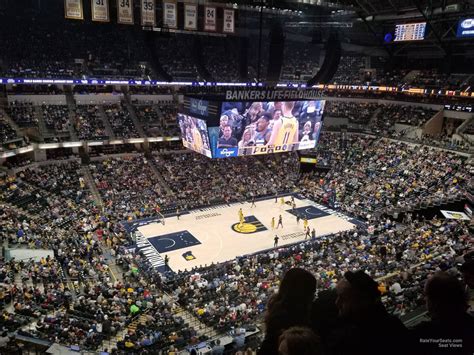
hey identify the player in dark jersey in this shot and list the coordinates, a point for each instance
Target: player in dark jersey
(263, 132)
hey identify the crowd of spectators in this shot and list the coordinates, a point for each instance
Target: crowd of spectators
(199, 181)
(299, 60)
(129, 186)
(169, 113)
(221, 59)
(88, 123)
(176, 59)
(377, 174)
(121, 121)
(149, 118)
(7, 132)
(74, 299)
(355, 112)
(389, 114)
(234, 294)
(56, 117)
(350, 70)
(22, 113)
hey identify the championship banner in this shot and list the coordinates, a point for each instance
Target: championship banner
(100, 10)
(125, 12)
(228, 23)
(148, 13)
(210, 18)
(170, 14)
(190, 17)
(73, 9)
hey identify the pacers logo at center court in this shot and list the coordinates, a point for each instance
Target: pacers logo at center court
(251, 225)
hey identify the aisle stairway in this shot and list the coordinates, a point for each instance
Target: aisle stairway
(128, 105)
(71, 104)
(108, 128)
(162, 181)
(89, 180)
(12, 123)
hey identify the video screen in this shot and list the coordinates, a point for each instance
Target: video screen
(194, 134)
(410, 32)
(465, 28)
(252, 128)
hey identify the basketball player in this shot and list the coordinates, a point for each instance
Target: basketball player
(305, 224)
(241, 214)
(285, 130)
(253, 202)
(273, 223)
(275, 241)
(282, 201)
(308, 234)
(280, 222)
(197, 139)
(263, 132)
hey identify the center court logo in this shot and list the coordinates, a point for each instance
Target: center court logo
(227, 152)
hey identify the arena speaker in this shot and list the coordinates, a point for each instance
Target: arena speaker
(152, 45)
(331, 61)
(275, 54)
(243, 59)
(198, 59)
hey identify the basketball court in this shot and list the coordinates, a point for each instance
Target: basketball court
(214, 235)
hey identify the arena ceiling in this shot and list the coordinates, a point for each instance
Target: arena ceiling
(366, 22)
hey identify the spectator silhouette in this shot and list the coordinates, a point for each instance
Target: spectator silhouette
(451, 329)
(289, 307)
(366, 328)
(324, 317)
(298, 341)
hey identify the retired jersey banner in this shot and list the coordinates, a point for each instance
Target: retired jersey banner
(210, 15)
(170, 14)
(100, 10)
(73, 9)
(125, 12)
(228, 23)
(148, 13)
(190, 17)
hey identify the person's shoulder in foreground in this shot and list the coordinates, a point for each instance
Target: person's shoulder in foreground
(364, 326)
(451, 328)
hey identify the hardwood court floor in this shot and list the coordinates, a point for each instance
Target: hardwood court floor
(217, 241)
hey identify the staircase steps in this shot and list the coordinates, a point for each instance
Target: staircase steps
(134, 117)
(89, 180)
(12, 123)
(160, 177)
(108, 128)
(71, 104)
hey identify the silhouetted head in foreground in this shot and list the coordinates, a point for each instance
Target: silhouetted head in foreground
(298, 341)
(445, 296)
(357, 294)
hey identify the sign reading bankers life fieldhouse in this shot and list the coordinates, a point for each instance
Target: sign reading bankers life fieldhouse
(264, 127)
